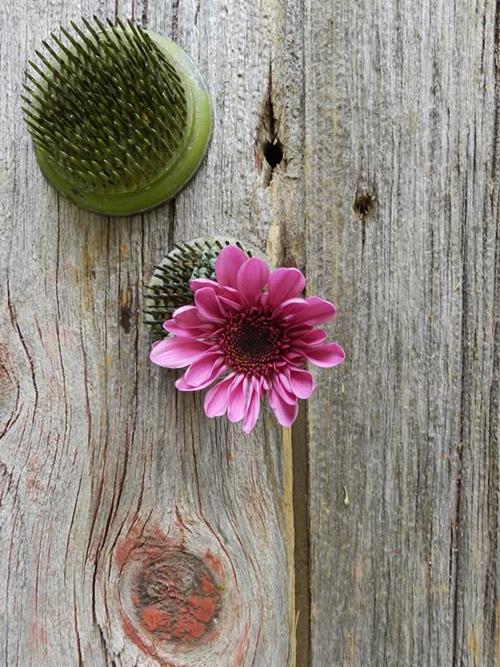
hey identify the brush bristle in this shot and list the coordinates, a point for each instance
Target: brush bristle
(106, 105)
(169, 287)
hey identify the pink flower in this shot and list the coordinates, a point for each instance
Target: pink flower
(251, 327)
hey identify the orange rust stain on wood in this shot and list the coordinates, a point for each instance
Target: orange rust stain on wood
(123, 551)
(174, 595)
(242, 648)
(154, 618)
(133, 635)
(34, 486)
(178, 596)
(38, 637)
(215, 563)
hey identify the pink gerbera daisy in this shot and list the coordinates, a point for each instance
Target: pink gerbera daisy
(251, 327)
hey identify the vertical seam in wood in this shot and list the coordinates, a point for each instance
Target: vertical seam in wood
(296, 511)
(454, 559)
(289, 526)
(302, 590)
(491, 598)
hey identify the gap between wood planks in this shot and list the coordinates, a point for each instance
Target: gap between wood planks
(296, 505)
(269, 154)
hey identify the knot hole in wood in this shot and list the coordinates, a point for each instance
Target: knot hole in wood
(364, 202)
(269, 150)
(175, 597)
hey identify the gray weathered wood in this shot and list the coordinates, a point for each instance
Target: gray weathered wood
(388, 114)
(105, 468)
(402, 104)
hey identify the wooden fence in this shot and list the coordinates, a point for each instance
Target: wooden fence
(357, 140)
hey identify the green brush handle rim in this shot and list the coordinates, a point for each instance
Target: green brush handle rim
(176, 174)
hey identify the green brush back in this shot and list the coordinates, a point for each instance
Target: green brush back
(110, 109)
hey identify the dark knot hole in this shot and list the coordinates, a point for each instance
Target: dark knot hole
(273, 152)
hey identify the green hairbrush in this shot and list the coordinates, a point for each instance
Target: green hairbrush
(169, 287)
(119, 116)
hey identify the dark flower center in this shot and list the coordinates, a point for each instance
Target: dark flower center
(251, 341)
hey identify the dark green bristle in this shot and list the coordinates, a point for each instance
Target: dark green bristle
(169, 286)
(106, 106)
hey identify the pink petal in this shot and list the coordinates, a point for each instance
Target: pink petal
(186, 315)
(326, 356)
(200, 283)
(253, 406)
(216, 400)
(208, 305)
(236, 410)
(285, 413)
(285, 284)
(226, 294)
(252, 278)
(182, 385)
(313, 337)
(282, 386)
(317, 311)
(204, 370)
(295, 357)
(228, 264)
(177, 352)
(290, 307)
(181, 332)
(301, 382)
(230, 305)
(312, 310)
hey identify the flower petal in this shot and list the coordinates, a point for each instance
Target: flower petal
(208, 305)
(236, 410)
(252, 409)
(317, 311)
(200, 283)
(173, 327)
(285, 284)
(312, 310)
(228, 264)
(326, 356)
(187, 316)
(252, 278)
(281, 385)
(204, 370)
(177, 352)
(301, 382)
(216, 400)
(313, 337)
(182, 385)
(285, 413)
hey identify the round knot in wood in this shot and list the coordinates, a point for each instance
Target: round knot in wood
(176, 598)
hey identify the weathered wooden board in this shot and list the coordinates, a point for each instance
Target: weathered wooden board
(402, 192)
(110, 482)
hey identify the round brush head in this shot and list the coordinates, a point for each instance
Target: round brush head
(169, 288)
(119, 116)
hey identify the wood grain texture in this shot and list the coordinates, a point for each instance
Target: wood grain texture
(113, 486)
(402, 193)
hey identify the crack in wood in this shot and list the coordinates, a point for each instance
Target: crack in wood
(269, 151)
